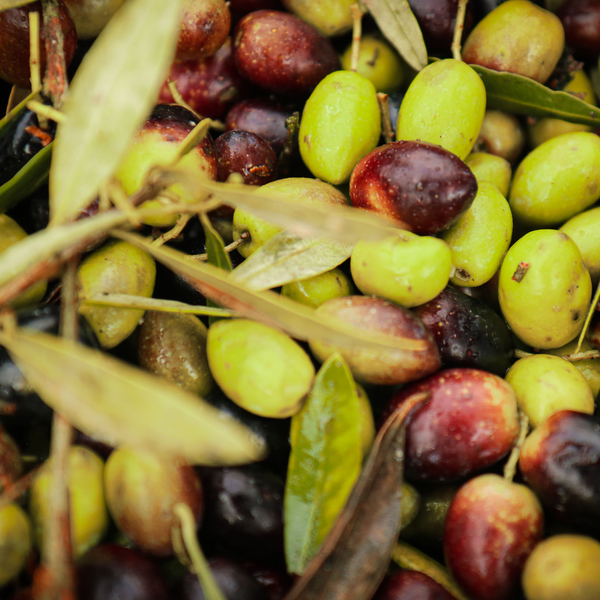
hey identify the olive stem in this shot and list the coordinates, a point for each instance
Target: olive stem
(218, 125)
(18, 488)
(229, 248)
(386, 122)
(55, 80)
(356, 35)
(292, 126)
(510, 468)
(588, 319)
(34, 52)
(174, 232)
(575, 357)
(458, 29)
(188, 542)
(46, 112)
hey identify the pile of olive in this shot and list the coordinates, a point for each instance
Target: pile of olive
(493, 248)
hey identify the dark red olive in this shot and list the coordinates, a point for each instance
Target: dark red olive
(14, 48)
(111, 572)
(560, 461)
(281, 53)
(421, 186)
(261, 116)
(210, 86)
(275, 581)
(581, 22)
(467, 332)
(437, 19)
(411, 585)
(247, 154)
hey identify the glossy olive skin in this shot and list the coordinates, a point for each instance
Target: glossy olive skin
(274, 580)
(210, 85)
(560, 461)
(244, 509)
(437, 19)
(469, 424)
(13, 387)
(111, 572)
(581, 21)
(245, 153)
(467, 332)
(491, 528)
(261, 116)
(281, 53)
(204, 27)
(422, 186)
(21, 141)
(233, 580)
(411, 585)
(14, 33)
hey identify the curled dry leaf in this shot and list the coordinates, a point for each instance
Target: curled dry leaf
(524, 96)
(299, 321)
(324, 463)
(399, 25)
(112, 93)
(353, 560)
(287, 257)
(120, 404)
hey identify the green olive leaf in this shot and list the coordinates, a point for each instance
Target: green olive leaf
(524, 96)
(112, 93)
(47, 243)
(28, 179)
(355, 556)
(342, 223)
(324, 463)
(299, 321)
(120, 404)
(399, 25)
(6, 4)
(408, 557)
(287, 257)
(6, 121)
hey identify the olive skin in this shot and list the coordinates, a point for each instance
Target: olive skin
(560, 462)
(411, 585)
(14, 33)
(421, 186)
(581, 22)
(467, 332)
(282, 54)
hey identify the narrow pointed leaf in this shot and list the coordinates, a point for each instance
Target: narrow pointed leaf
(45, 244)
(324, 463)
(287, 257)
(28, 179)
(524, 96)
(113, 92)
(299, 321)
(354, 558)
(399, 25)
(345, 224)
(120, 404)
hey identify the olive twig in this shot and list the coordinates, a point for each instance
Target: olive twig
(46, 112)
(357, 15)
(458, 29)
(229, 248)
(18, 488)
(174, 232)
(386, 123)
(588, 319)
(55, 81)
(510, 467)
(34, 52)
(184, 538)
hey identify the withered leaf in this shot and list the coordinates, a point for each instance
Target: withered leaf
(353, 560)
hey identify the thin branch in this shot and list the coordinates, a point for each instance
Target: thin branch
(356, 35)
(458, 29)
(55, 80)
(510, 467)
(386, 122)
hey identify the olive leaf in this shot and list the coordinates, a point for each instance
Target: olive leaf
(120, 404)
(399, 25)
(215, 250)
(47, 243)
(299, 321)
(353, 559)
(408, 557)
(112, 93)
(342, 223)
(287, 257)
(28, 179)
(18, 109)
(524, 96)
(6, 4)
(324, 462)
